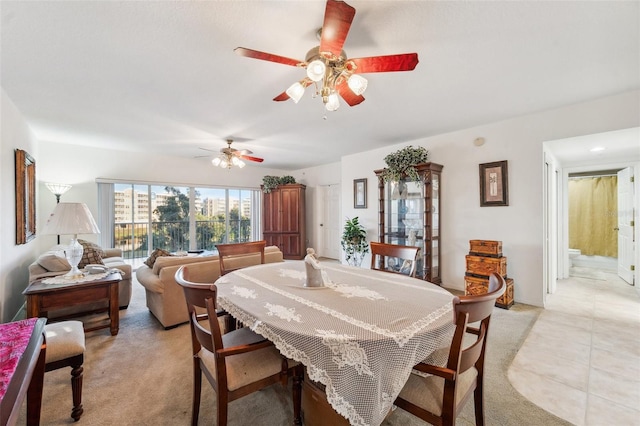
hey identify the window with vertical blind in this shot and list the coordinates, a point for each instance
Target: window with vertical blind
(140, 217)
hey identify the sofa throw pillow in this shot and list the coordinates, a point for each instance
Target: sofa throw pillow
(154, 255)
(54, 261)
(91, 254)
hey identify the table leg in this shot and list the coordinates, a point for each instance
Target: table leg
(33, 302)
(34, 392)
(114, 314)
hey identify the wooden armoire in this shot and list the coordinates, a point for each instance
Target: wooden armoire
(283, 219)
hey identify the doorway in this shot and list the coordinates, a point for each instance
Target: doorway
(592, 222)
(576, 155)
(329, 203)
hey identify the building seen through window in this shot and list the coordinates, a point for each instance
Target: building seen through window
(180, 219)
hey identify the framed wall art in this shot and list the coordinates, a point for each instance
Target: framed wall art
(25, 197)
(494, 190)
(360, 193)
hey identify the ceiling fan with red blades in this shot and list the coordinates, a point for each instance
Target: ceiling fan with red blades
(327, 65)
(230, 157)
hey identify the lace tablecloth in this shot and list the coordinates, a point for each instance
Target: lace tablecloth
(360, 336)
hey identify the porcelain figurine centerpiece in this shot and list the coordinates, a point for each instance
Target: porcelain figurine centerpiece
(316, 276)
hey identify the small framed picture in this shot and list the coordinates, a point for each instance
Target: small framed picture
(494, 190)
(360, 193)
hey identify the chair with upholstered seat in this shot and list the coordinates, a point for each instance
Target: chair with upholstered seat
(227, 251)
(380, 251)
(65, 348)
(226, 254)
(439, 397)
(236, 363)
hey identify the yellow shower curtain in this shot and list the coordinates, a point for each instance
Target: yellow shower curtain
(593, 215)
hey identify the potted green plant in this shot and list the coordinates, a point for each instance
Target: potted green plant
(354, 242)
(402, 163)
(271, 182)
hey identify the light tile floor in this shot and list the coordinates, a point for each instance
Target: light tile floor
(581, 360)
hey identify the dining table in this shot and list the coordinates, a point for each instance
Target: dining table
(360, 334)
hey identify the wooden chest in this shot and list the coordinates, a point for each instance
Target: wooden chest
(485, 248)
(475, 286)
(480, 266)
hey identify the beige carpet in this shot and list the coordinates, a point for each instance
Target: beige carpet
(142, 376)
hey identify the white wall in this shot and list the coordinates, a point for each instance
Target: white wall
(14, 133)
(520, 225)
(313, 178)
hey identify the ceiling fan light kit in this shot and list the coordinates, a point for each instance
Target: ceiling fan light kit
(327, 66)
(231, 157)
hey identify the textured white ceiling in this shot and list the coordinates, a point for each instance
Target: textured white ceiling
(163, 75)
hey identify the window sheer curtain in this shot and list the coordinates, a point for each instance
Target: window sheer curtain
(106, 210)
(593, 215)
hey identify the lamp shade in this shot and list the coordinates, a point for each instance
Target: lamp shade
(70, 219)
(316, 70)
(357, 84)
(332, 102)
(295, 91)
(58, 188)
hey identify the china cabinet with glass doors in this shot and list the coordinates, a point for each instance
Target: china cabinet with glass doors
(409, 214)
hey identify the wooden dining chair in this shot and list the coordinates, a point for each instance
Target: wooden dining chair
(227, 251)
(438, 398)
(236, 363)
(380, 251)
(65, 348)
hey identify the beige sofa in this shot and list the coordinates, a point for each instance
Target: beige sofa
(53, 263)
(165, 297)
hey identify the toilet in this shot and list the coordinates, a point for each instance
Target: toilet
(573, 253)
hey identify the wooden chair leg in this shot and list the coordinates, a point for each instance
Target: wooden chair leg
(297, 395)
(197, 388)
(479, 404)
(76, 390)
(223, 405)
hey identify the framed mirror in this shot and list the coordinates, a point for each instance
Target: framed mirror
(25, 197)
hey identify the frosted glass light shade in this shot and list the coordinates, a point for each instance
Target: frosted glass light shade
(70, 219)
(357, 84)
(216, 161)
(58, 188)
(295, 91)
(315, 70)
(332, 102)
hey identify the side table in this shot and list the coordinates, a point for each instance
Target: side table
(43, 298)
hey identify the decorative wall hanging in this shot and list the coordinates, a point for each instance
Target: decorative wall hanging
(494, 190)
(360, 193)
(25, 197)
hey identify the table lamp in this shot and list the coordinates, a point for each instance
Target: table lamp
(71, 219)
